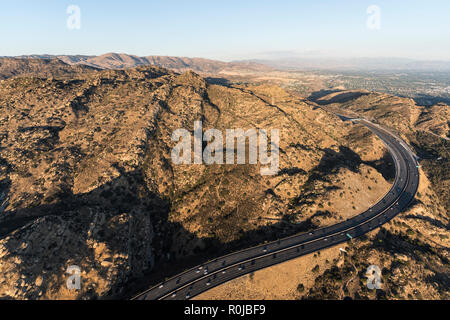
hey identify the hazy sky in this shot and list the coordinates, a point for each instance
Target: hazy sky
(231, 29)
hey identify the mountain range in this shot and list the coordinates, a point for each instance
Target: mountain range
(241, 67)
(178, 64)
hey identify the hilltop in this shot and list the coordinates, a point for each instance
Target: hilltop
(44, 68)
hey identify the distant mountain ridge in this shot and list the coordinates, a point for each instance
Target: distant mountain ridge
(352, 64)
(179, 64)
(209, 66)
(43, 67)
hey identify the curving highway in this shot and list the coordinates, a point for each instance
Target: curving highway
(213, 273)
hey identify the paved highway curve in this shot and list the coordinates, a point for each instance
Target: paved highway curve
(213, 273)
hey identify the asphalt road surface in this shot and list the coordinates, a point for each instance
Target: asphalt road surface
(213, 273)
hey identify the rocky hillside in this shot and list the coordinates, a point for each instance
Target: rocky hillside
(87, 179)
(44, 68)
(178, 64)
(412, 251)
(71, 157)
(401, 114)
(426, 128)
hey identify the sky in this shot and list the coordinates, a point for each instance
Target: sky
(229, 30)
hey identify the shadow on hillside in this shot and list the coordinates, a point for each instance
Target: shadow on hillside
(96, 215)
(430, 220)
(425, 100)
(320, 94)
(417, 251)
(333, 161)
(219, 81)
(442, 279)
(330, 163)
(340, 98)
(5, 185)
(394, 244)
(385, 166)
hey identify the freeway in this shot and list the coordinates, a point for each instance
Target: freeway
(213, 273)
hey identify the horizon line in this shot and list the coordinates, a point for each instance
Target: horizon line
(293, 56)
